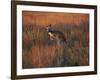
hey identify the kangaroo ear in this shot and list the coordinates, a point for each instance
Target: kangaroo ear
(48, 27)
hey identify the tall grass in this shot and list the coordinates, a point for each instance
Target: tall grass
(39, 51)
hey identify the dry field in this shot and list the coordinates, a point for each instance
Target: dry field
(39, 51)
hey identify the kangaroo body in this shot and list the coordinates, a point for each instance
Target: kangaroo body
(56, 35)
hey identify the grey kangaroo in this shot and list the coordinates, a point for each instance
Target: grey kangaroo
(56, 35)
(60, 38)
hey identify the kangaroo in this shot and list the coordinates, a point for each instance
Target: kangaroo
(56, 35)
(60, 38)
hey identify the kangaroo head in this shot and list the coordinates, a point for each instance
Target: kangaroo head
(49, 28)
(49, 31)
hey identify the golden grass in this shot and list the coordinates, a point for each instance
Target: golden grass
(40, 56)
(44, 56)
(46, 18)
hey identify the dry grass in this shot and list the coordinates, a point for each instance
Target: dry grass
(39, 51)
(40, 56)
(51, 56)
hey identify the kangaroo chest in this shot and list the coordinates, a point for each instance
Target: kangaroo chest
(50, 34)
(53, 35)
